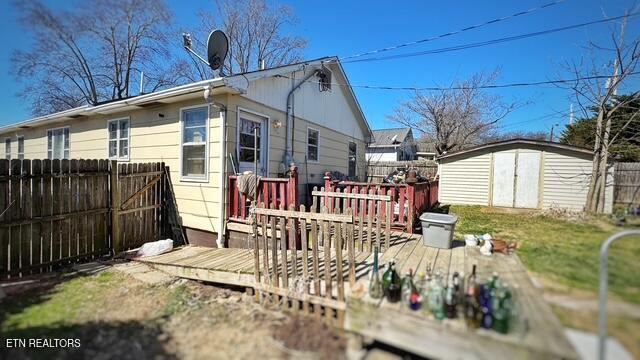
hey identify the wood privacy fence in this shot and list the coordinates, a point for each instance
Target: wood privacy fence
(377, 171)
(626, 184)
(311, 279)
(56, 212)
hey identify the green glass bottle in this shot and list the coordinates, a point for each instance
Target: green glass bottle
(375, 285)
(387, 277)
(391, 283)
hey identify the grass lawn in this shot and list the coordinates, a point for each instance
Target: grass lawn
(563, 251)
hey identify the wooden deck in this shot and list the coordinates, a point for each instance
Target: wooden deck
(537, 334)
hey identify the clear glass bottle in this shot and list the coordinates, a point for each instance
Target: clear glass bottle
(407, 287)
(375, 284)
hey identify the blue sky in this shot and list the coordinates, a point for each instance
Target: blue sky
(345, 28)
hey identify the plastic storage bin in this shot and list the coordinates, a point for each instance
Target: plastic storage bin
(437, 229)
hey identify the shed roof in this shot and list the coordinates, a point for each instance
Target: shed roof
(389, 137)
(516, 142)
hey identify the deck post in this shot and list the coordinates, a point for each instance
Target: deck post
(411, 195)
(292, 187)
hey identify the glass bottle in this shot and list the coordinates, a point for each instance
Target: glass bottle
(450, 302)
(471, 301)
(375, 285)
(387, 276)
(391, 283)
(407, 287)
(436, 297)
(486, 306)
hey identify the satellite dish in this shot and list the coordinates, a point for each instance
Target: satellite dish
(217, 47)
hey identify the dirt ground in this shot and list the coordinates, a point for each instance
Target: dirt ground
(128, 312)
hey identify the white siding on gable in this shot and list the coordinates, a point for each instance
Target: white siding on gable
(465, 181)
(331, 108)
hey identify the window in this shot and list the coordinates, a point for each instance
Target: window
(58, 143)
(7, 148)
(21, 147)
(119, 139)
(247, 143)
(313, 137)
(353, 158)
(194, 143)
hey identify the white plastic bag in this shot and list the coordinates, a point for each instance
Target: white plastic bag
(155, 248)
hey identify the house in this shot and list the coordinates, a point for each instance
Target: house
(426, 152)
(204, 130)
(391, 145)
(519, 173)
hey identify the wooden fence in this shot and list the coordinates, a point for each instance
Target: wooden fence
(379, 170)
(372, 213)
(408, 200)
(271, 191)
(312, 279)
(56, 212)
(626, 190)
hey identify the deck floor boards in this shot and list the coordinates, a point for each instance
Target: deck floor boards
(395, 323)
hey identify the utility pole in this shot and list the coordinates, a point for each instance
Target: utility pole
(551, 134)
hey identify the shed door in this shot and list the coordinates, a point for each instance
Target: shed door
(503, 178)
(527, 180)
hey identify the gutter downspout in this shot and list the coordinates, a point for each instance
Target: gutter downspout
(287, 159)
(220, 241)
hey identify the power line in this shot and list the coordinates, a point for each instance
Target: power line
(472, 27)
(491, 42)
(497, 86)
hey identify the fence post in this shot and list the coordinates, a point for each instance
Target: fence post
(411, 195)
(116, 244)
(292, 186)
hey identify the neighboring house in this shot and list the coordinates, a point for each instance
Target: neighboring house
(194, 128)
(426, 151)
(391, 145)
(520, 173)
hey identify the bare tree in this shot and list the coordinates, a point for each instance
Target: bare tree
(455, 117)
(94, 53)
(256, 33)
(599, 95)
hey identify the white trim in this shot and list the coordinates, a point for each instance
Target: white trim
(264, 148)
(46, 134)
(306, 150)
(206, 146)
(118, 138)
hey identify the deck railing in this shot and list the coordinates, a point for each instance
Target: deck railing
(408, 200)
(271, 191)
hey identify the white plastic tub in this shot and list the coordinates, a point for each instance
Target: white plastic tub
(437, 229)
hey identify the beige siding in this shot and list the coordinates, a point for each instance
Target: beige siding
(156, 138)
(566, 182)
(152, 138)
(466, 180)
(333, 145)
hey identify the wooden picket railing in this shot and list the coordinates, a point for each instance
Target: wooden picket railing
(311, 279)
(408, 200)
(371, 211)
(55, 212)
(271, 191)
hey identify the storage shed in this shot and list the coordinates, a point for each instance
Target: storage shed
(520, 173)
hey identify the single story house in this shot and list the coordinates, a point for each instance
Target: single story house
(391, 145)
(200, 129)
(519, 173)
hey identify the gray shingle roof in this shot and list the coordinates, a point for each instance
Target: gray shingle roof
(389, 137)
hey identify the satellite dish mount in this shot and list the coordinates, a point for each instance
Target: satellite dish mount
(217, 47)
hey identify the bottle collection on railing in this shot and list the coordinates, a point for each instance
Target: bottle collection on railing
(488, 305)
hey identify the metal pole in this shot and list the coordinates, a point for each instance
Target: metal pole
(255, 160)
(602, 316)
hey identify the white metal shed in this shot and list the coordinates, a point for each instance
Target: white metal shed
(520, 173)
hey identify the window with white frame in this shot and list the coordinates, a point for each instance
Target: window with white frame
(58, 143)
(194, 143)
(119, 139)
(247, 143)
(7, 148)
(21, 147)
(313, 139)
(353, 158)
